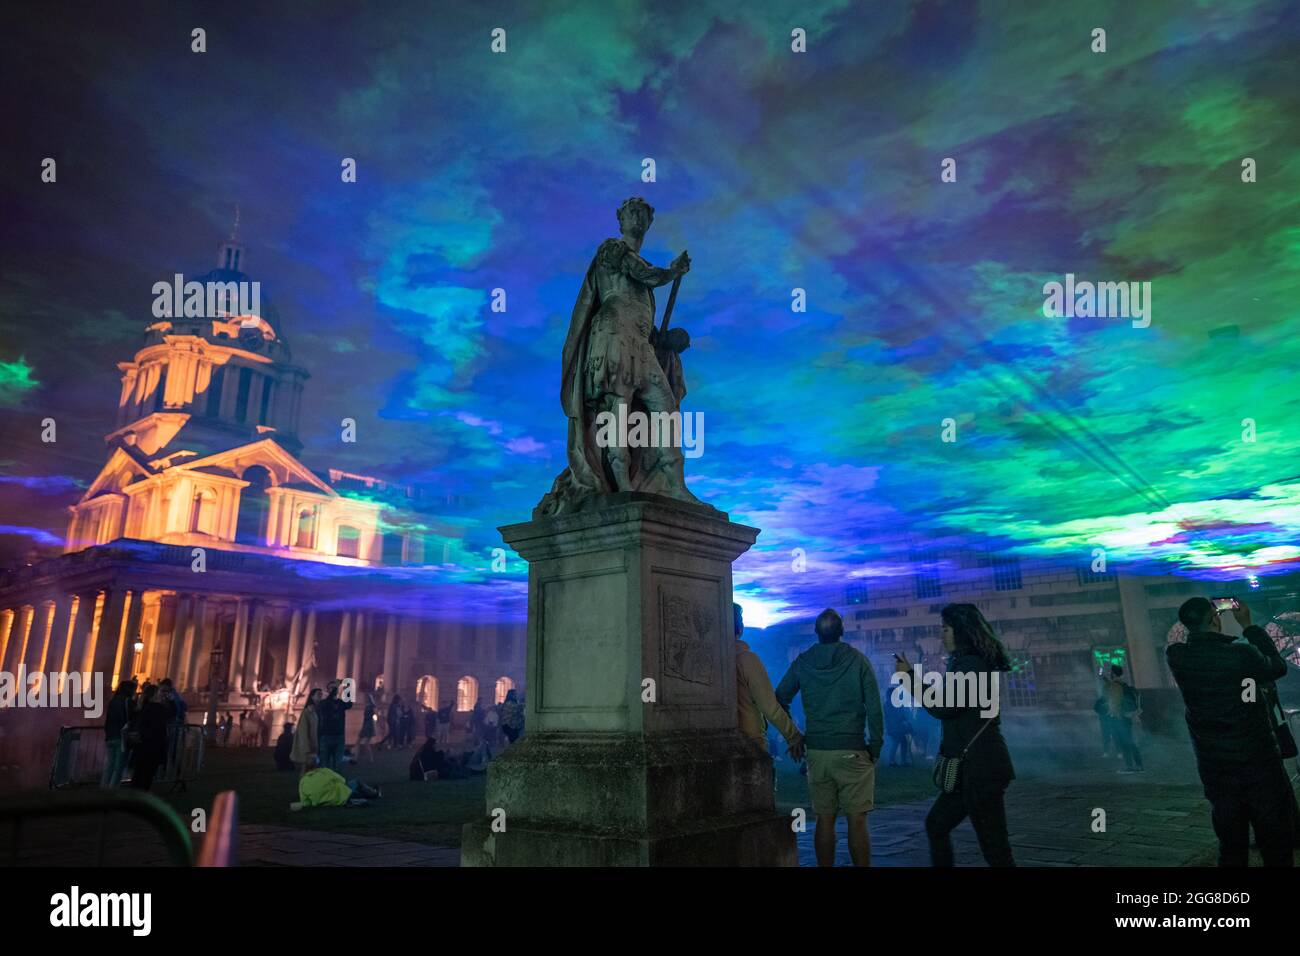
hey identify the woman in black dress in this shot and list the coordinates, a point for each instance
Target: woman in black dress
(977, 740)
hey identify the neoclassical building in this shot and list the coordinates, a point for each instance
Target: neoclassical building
(205, 532)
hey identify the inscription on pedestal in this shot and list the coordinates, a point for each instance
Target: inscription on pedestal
(690, 657)
(688, 639)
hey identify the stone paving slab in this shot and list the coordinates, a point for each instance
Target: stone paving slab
(267, 845)
(1158, 818)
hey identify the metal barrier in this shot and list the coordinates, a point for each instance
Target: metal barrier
(218, 846)
(80, 754)
(78, 757)
(184, 757)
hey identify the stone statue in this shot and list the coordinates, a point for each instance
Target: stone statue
(614, 356)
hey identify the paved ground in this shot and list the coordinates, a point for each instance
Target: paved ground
(1156, 818)
(289, 846)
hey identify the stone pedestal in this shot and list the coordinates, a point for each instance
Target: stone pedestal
(631, 754)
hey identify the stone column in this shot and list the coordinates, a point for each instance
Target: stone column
(83, 629)
(189, 629)
(7, 617)
(176, 656)
(126, 638)
(65, 632)
(253, 665)
(109, 632)
(345, 646)
(293, 658)
(60, 629)
(390, 656)
(237, 645)
(151, 660)
(196, 643)
(39, 643)
(1146, 666)
(636, 591)
(18, 643)
(359, 647)
(309, 641)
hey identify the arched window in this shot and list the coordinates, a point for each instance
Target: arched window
(250, 527)
(466, 694)
(306, 528)
(216, 382)
(426, 691)
(504, 684)
(203, 512)
(349, 543)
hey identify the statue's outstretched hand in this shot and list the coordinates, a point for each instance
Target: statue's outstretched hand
(682, 264)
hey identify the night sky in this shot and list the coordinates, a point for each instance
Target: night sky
(778, 170)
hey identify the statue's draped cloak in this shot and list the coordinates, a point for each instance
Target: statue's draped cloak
(586, 474)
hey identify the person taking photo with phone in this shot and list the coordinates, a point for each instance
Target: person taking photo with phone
(1233, 733)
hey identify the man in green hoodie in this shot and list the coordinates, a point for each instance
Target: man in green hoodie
(841, 702)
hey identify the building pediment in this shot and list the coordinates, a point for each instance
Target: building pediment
(284, 468)
(122, 468)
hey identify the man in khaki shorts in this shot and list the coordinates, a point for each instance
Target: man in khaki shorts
(841, 703)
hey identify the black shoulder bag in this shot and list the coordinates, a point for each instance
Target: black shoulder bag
(1285, 739)
(947, 770)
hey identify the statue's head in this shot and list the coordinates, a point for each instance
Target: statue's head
(676, 340)
(635, 216)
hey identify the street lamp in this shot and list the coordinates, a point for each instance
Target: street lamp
(215, 660)
(138, 659)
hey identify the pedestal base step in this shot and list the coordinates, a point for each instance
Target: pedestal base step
(759, 839)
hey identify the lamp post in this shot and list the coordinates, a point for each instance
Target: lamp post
(215, 660)
(138, 659)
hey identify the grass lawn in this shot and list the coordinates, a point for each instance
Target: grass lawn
(432, 812)
(421, 812)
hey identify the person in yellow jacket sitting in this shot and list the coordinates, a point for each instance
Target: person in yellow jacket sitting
(323, 787)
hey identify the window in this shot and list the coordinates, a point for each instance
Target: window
(349, 543)
(466, 694)
(241, 394)
(926, 580)
(254, 507)
(263, 417)
(504, 685)
(306, 528)
(1006, 573)
(1021, 687)
(203, 513)
(158, 388)
(1087, 575)
(215, 383)
(426, 691)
